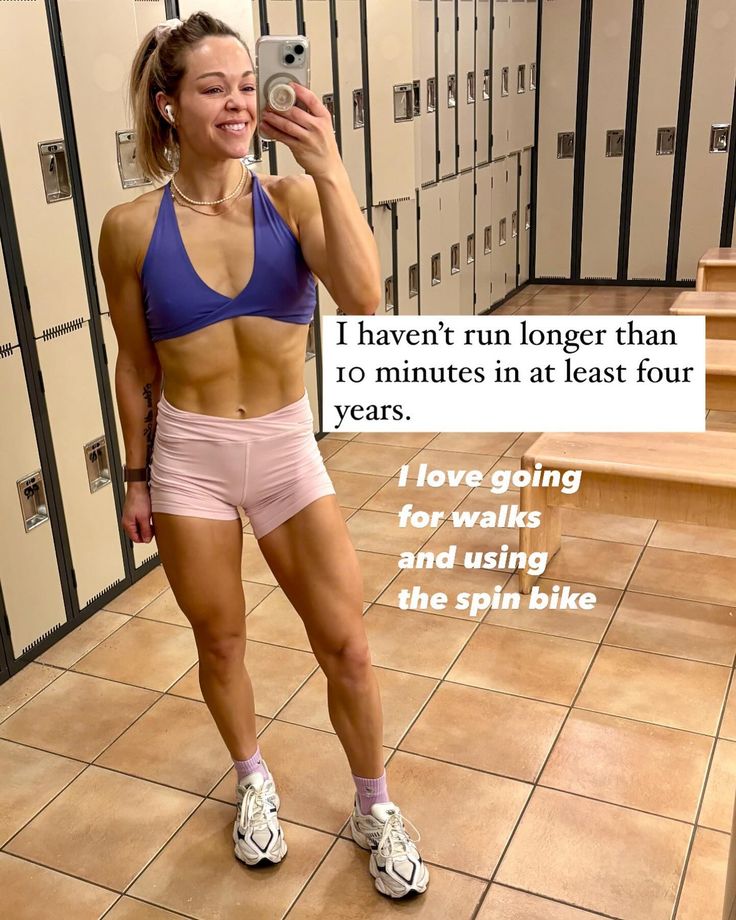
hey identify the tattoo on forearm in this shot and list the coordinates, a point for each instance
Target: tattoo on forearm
(148, 430)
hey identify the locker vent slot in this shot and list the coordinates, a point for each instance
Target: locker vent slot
(566, 145)
(451, 91)
(666, 142)
(471, 249)
(53, 332)
(101, 594)
(532, 77)
(521, 79)
(32, 494)
(504, 81)
(719, 138)
(614, 143)
(502, 232)
(471, 87)
(358, 109)
(454, 258)
(6, 350)
(486, 85)
(431, 94)
(413, 280)
(487, 240)
(388, 288)
(436, 268)
(417, 98)
(404, 102)
(48, 633)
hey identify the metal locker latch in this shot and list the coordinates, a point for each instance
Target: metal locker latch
(32, 496)
(451, 91)
(566, 145)
(502, 232)
(528, 218)
(98, 467)
(328, 100)
(54, 170)
(614, 143)
(719, 138)
(504, 81)
(470, 251)
(471, 87)
(388, 288)
(666, 142)
(454, 258)
(521, 79)
(311, 349)
(437, 268)
(487, 240)
(514, 225)
(129, 167)
(358, 109)
(413, 280)
(404, 102)
(431, 94)
(417, 98)
(532, 76)
(486, 85)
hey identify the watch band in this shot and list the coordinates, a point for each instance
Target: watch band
(135, 474)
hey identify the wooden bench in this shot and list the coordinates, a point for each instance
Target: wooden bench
(717, 271)
(718, 308)
(720, 374)
(681, 478)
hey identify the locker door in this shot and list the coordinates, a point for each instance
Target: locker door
(8, 330)
(525, 211)
(712, 105)
(511, 251)
(149, 14)
(390, 71)
(659, 90)
(467, 88)
(467, 242)
(433, 260)
(483, 81)
(318, 28)
(238, 14)
(407, 269)
(282, 20)
(447, 87)
(352, 111)
(526, 74)
(483, 239)
(425, 82)
(452, 246)
(604, 152)
(501, 230)
(557, 114)
(382, 217)
(501, 112)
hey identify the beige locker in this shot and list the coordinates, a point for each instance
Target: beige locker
(557, 114)
(503, 62)
(483, 39)
(282, 20)
(467, 89)
(503, 264)
(256, 16)
(433, 262)
(382, 218)
(8, 330)
(452, 245)
(318, 28)
(525, 215)
(511, 251)
(425, 89)
(483, 238)
(522, 77)
(149, 13)
(605, 140)
(656, 128)
(467, 241)
(352, 107)
(390, 69)
(710, 127)
(29, 571)
(447, 87)
(238, 14)
(407, 269)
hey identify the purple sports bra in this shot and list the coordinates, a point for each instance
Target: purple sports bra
(177, 300)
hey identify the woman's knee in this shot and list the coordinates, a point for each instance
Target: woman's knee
(220, 650)
(349, 662)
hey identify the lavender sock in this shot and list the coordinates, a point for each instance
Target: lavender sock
(370, 791)
(253, 764)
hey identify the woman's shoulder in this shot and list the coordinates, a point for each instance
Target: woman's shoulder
(129, 225)
(293, 195)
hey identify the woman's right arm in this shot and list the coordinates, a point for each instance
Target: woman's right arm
(137, 370)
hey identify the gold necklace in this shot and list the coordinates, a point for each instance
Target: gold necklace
(219, 200)
(204, 213)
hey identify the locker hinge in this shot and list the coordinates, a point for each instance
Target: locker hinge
(457, 23)
(519, 168)
(493, 22)
(437, 24)
(104, 354)
(74, 578)
(438, 158)
(28, 299)
(419, 212)
(337, 32)
(40, 380)
(396, 221)
(476, 23)
(457, 151)
(475, 148)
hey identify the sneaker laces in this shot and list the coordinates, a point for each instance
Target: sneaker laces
(253, 807)
(394, 840)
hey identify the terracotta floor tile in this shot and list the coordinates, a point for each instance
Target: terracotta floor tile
(104, 827)
(720, 793)
(643, 766)
(705, 879)
(655, 688)
(277, 622)
(713, 541)
(83, 639)
(546, 305)
(254, 566)
(584, 290)
(450, 582)
(197, 873)
(329, 448)
(437, 459)
(613, 527)
(526, 664)
(354, 489)
(379, 532)
(693, 576)
(588, 625)
(23, 686)
(473, 442)
(516, 737)
(29, 891)
(651, 308)
(164, 609)
(628, 297)
(377, 459)
(402, 696)
(31, 779)
(685, 629)
(728, 726)
(613, 307)
(505, 467)
(126, 655)
(343, 887)
(450, 806)
(719, 420)
(415, 439)
(141, 593)
(506, 309)
(392, 497)
(508, 904)
(175, 743)
(578, 851)
(77, 716)
(475, 540)
(417, 642)
(378, 570)
(522, 444)
(593, 562)
(131, 909)
(338, 436)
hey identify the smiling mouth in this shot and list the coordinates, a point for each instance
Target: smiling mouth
(234, 128)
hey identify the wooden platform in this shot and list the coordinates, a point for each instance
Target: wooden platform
(681, 478)
(720, 374)
(717, 271)
(718, 308)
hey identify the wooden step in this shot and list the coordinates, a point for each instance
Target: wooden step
(718, 308)
(717, 271)
(720, 374)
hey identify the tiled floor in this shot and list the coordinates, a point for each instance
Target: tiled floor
(560, 766)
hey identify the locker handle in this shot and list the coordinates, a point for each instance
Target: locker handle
(486, 85)
(521, 79)
(566, 145)
(471, 87)
(528, 218)
(431, 94)
(404, 102)
(97, 463)
(720, 136)
(454, 258)
(358, 109)
(54, 171)
(471, 249)
(666, 141)
(487, 240)
(451, 91)
(502, 232)
(437, 268)
(532, 77)
(504, 81)
(413, 280)
(388, 288)
(417, 98)
(514, 225)
(32, 494)
(131, 174)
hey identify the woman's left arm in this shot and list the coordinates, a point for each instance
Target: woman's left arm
(335, 238)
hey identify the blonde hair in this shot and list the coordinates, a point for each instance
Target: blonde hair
(159, 66)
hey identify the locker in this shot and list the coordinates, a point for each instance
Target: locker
(483, 40)
(28, 567)
(433, 267)
(522, 77)
(525, 215)
(505, 227)
(467, 89)
(503, 60)
(327, 306)
(557, 114)
(447, 88)
(407, 268)
(318, 28)
(604, 151)
(659, 90)
(390, 69)
(149, 13)
(238, 14)
(467, 242)
(511, 250)
(712, 106)
(352, 107)
(483, 239)
(425, 89)
(8, 329)
(282, 20)
(452, 246)
(382, 218)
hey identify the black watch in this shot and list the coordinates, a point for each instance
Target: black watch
(139, 474)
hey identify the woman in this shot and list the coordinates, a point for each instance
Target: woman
(210, 286)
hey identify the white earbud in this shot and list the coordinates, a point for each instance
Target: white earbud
(169, 113)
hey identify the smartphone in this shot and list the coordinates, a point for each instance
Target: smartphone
(280, 60)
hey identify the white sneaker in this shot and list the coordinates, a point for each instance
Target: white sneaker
(257, 832)
(395, 862)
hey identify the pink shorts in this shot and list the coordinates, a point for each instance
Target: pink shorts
(206, 466)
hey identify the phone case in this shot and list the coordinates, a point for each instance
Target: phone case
(271, 52)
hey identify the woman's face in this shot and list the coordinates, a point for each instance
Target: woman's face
(217, 90)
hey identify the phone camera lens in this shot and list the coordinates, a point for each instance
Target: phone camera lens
(289, 58)
(299, 49)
